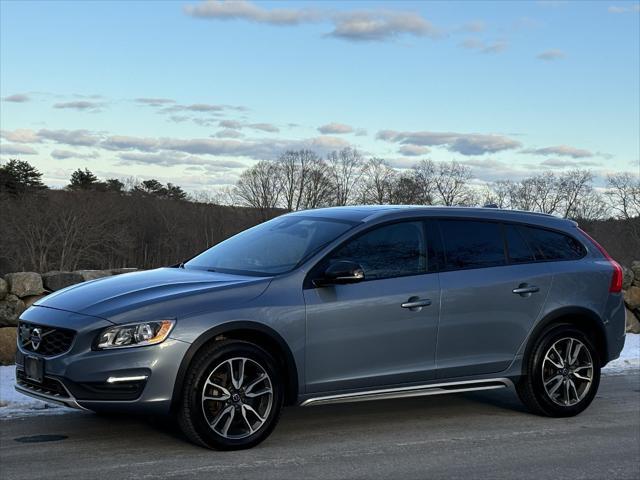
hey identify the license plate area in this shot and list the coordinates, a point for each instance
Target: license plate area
(34, 368)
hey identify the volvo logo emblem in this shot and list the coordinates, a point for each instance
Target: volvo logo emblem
(36, 338)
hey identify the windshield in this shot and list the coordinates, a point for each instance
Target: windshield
(273, 247)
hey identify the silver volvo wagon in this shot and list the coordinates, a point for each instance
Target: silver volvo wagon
(336, 305)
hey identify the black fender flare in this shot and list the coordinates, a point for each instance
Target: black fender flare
(571, 313)
(291, 373)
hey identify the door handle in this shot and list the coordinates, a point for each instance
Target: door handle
(415, 304)
(525, 289)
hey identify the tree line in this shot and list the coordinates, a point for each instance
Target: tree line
(105, 224)
(111, 223)
(302, 179)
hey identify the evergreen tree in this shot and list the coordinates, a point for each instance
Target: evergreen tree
(18, 176)
(83, 180)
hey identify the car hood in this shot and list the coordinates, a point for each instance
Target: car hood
(169, 292)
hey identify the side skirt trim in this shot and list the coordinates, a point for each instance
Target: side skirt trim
(413, 391)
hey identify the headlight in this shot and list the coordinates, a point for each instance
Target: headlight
(135, 334)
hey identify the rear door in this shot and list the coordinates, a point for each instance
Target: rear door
(360, 335)
(490, 300)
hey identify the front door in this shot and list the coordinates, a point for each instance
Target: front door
(373, 333)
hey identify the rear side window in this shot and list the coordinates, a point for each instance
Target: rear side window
(472, 244)
(389, 251)
(519, 251)
(548, 245)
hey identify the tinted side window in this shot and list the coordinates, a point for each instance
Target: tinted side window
(472, 244)
(548, 245)
(389, 251)
(519, 251)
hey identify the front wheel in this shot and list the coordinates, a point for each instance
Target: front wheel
(562, 373)
(232, 396)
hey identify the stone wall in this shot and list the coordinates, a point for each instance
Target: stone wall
(631, 287)
(18, 291)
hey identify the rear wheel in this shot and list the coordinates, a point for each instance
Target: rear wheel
(232, 396)
(562, 373)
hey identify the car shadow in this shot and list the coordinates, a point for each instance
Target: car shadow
(351, 418)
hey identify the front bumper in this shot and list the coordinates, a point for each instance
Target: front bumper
(128, 379)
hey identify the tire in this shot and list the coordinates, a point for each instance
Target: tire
(555, 385)
(235, 414)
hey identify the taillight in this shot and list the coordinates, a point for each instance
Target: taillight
(616, 280)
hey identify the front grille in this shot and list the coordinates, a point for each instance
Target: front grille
(45, 341)
(49, 386)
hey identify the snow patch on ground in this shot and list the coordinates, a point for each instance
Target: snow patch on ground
(629, 357)
(14, 404)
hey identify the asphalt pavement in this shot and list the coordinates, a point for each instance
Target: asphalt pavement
(466, 436)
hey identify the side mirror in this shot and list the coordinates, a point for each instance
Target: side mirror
(340, 273)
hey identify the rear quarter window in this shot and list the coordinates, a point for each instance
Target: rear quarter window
(550, 245)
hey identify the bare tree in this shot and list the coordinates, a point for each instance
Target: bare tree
(299, 172)
(452, 184)
(547, 192)
(259, 187)
(424, 174)
(345, 169)
(406, 190)
(378, 180)
(623, 194)
(499, 193)
(591, 206)
(574, 184)
(318, 191)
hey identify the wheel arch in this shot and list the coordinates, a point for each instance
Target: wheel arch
(580, 317)
(254, 332)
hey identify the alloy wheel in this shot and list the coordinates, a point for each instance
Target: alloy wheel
(567, 371)
(237, 398)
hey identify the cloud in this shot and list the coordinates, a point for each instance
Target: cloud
(565, 163)
(125, 142)
(203, 107)
(267, 148)
(264, 127)
(82, 138)
(465, 144)
(155, 102)
(176, 158)
(17, 98)
(488, 170)
(21, 135)
(236, 125)
(64, 154)
(80, 105)
(362, 25)
(245, 10)
(413, 150)
(562, 150)
(381, 25)
(9, 149)
(482, 47)
(551, 55)
(475, 26)
(324, 143)
(335, 128)
(229, 133)
(616, 9)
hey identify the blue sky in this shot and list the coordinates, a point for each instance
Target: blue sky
(193, 92)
